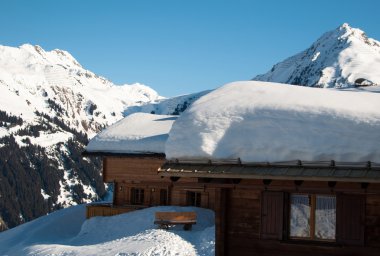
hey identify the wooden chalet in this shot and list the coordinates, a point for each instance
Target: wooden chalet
(275, 208)
(254, 203)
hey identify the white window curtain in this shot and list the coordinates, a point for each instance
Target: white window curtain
(325, 217)
(299, 216)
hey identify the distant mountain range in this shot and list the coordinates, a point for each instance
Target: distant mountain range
(50, 105)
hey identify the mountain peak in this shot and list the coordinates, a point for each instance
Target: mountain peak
(36, 54)
(346, 31)
(345, 27)
(339, 58)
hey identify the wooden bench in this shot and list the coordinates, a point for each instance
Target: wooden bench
(165, 219)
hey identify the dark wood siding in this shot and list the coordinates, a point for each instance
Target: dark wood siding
(220, 221)
(272, 215)
(242, 221)
(373, 220)
(350, 219)
(131, 169)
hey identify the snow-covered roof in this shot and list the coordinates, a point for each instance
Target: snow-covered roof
(261, 121)
(136, 133)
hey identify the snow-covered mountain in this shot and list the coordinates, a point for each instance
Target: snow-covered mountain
(49, 106)
(32, 79)
(344, 57)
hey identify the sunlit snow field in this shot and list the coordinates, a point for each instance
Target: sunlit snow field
(67, 232)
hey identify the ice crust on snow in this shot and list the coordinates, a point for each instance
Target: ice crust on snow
(136, 133)
(67, 232)
(260, 121)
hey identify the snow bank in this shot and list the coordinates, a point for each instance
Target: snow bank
(260, 121)
(136, 133)
(66, 232)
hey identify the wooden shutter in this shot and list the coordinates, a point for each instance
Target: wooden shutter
(272, 215)
(350, 218)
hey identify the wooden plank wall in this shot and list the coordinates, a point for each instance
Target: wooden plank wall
(372, 222)
(104, 210)
(243, 220)
(131, 168)
(179, 191)
(220, 208)
(152, 197)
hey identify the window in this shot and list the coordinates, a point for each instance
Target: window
(193, 198)
(336, 218)
(137, 196)
(163, 197)
(312, 217)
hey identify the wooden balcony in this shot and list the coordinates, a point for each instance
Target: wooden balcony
(93, 210)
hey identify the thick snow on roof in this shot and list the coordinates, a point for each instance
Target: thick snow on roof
(136, 133)
(261, 121)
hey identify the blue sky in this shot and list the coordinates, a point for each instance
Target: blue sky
(178, 47)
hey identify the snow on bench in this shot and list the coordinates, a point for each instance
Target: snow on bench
(164, 219)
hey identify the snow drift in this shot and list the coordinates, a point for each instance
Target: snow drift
(67, 232)
(261, 121)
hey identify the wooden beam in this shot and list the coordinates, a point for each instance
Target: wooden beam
(262, 177)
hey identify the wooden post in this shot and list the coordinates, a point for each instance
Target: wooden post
(220, 221)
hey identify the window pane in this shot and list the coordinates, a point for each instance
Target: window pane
(299, 216)
(325, 217)
(137, 196)
(163, 197)
(193, 198)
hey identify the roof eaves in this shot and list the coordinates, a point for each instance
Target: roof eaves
(123, 154)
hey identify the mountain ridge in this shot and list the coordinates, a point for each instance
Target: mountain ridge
(342, 58)
(49, 107)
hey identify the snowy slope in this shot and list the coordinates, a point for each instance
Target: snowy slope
(261, 121)
(170, 106)
(31, 77)
(136, 133)
(67, 232)
(340, 58)
(49, 107)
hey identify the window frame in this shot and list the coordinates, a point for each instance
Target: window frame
(137, 196)
(193, 198)
(164, 196)
(312, 219)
